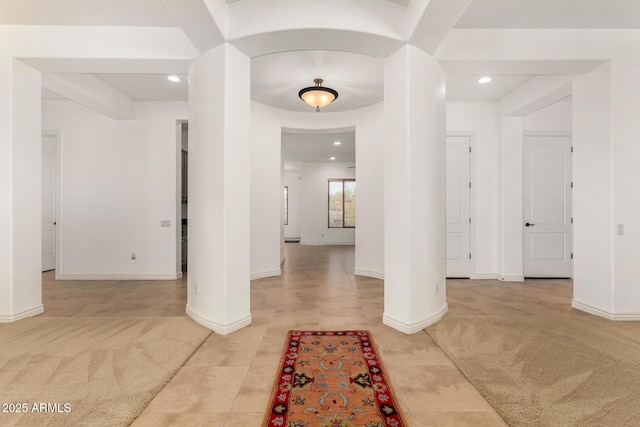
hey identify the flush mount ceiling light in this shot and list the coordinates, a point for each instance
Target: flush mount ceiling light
(485, 79)
(332, 158)
(337, 143)
(318, 96)
(174, 79)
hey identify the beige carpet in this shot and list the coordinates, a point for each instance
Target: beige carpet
(566, 370)
(107, 369)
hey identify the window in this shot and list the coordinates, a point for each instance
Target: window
(342, 203)
(286, 205)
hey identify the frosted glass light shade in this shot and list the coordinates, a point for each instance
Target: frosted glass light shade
(318, 96)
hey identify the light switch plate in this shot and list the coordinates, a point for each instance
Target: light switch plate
(165, 223)
(620, 230)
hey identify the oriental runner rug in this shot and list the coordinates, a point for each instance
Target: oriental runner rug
(332, 379)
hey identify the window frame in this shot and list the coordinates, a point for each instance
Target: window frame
(329, 181)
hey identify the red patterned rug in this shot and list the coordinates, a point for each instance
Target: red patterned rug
(332, 379)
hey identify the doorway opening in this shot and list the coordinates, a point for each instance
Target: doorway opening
(182, 132)
(459, 198)
(50, 200)
(548, 218)
(319, 181)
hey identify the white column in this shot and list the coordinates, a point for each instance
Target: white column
(20, 189)
(414, 169)
(219, 173)
(511, 210)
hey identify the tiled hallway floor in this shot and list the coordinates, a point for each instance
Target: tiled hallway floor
(228, 380)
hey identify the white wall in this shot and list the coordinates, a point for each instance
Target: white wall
(266, 194)
(118, 183)
(480, 121)
(555, 117)
(315, 204)
(20, 191)
(626, 203)
(593, 175)
(266, 182)
(293, 180)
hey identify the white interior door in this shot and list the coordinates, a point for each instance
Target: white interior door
(49, 161)
(547, 206)
(458, 254)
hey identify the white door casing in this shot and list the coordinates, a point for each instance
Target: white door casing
(49, 176)
(547, 207)
(457, 206)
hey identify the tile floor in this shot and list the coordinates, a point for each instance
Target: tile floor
(228, 379)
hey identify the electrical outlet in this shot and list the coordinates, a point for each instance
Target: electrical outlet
(321, 234)
(620, 229)
(133, 257)
(165, 223)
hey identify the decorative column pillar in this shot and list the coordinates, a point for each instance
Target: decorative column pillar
(219, 172)
(414, 176)
(20, 191)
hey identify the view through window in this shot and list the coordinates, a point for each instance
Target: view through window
(342, 203)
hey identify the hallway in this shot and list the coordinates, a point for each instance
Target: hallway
(227, 381)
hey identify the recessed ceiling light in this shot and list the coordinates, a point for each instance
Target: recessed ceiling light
(332, 158)
(485, 79)
(174, 79)
(337, 143)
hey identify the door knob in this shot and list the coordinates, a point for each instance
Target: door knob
(55, 222)
(528, 224)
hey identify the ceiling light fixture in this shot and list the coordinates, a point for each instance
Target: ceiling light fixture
(174, 79)
(332, 158)
(337, 143)
(485, 79)
(318, 96)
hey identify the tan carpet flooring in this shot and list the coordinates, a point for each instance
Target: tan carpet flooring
(107, 369)
(565, 370)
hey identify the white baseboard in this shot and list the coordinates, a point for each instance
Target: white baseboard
(511, 278)
(596, 311)
(282, 260)
(484, 277)
(30, 312)
(327, 243)
(216, 327)
(74, 276)
(367, 273)
(412, 328)
(264, 274)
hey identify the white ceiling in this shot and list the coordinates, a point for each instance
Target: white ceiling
(551, 14)
(312, 147)
(145, 13)
(467, 88)
(276, 79)
(48, 95)
(149, 87)
(400, 2)
(359, 79)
